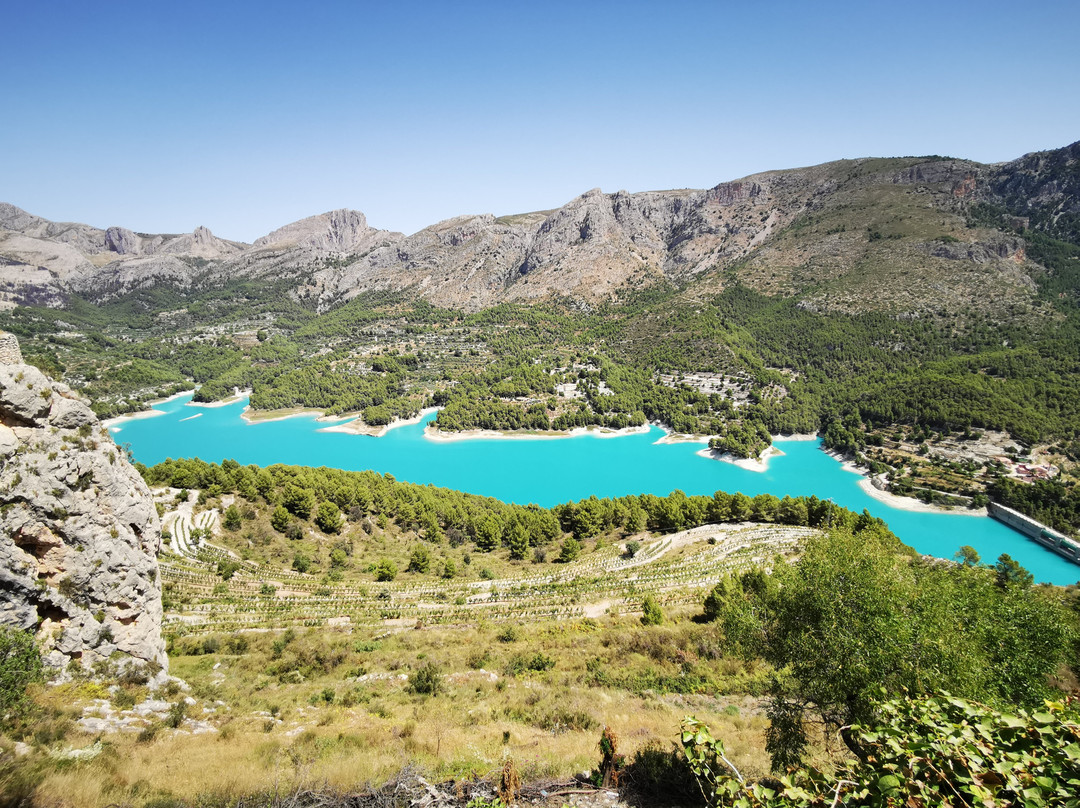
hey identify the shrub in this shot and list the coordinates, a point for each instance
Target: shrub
(509, 633)
(232, 519)
(177, 714)
(427, 680)
(652, 615)
(420, 560)
(20, 666)
(328, 518)
(385, 570)
(522, 663)
(570, 550)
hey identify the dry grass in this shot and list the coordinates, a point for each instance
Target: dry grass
(337, 731)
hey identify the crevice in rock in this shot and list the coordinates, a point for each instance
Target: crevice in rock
(10, 419)
(50, 611)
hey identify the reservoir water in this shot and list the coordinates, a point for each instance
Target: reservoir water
(550, 471)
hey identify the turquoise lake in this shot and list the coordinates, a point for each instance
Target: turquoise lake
(548, 472)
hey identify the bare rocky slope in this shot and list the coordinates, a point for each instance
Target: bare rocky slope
(79, 533)
(891, 234)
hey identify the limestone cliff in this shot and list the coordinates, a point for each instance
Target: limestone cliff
(79, 532)
(895, 235)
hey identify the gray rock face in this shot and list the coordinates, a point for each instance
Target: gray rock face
(133, 272)
(79, 533)
(81, 237)
(338, 231)
(467, 261)
(595, 248)
(122, 241)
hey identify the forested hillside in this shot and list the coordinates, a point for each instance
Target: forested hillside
(920, 313)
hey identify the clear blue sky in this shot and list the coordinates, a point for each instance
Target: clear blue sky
(244, 116)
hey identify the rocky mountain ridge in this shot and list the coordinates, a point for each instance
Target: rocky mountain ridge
(79, 532)
(811, 231)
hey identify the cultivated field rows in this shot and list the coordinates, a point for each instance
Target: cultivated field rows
(674, 569)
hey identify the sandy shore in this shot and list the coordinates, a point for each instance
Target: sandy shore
(173, 397)
(150, 413)
(759, 463)
(266, 416)
(799, 436)
(912, 504)
(895, 500)
(356, 425)
(605, 432)
(230, 400)
(439, 436)
(114, 424)
(672, 437)
(435, 434)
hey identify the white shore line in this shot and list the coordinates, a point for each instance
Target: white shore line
(240, 396)
(439, 436)
(250, 418)
(173, 397)
(912, 504)
(113, 424)
(354, 425)
(897, 501)
(675, 437)
(757, 464)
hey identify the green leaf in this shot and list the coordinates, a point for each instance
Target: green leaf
(888, 784)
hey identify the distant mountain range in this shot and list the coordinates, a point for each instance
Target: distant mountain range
(909, 236)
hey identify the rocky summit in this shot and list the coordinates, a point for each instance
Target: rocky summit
(79, 532)
(897, 235)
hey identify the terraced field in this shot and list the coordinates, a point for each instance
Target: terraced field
(674, 568)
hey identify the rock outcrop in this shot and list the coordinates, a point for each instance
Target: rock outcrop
(336, 232)
(79, 533)
(806, 232)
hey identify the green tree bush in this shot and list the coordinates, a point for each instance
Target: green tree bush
(385, 570)
(20, 666)
(232, 520)
(328, 518)
(652, 614)
(420, 560)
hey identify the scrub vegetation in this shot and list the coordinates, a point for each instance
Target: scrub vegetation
(815, 652)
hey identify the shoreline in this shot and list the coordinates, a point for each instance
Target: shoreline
(354, 425)
(439, 436)
(251, 416)
(758, 464)
(233, 399)
(797, 437)
(173, 397)
(116, 420)
(900, 503)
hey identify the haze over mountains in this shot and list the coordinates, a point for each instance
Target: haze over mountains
(895, 235)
